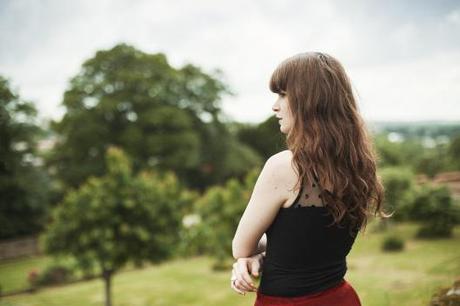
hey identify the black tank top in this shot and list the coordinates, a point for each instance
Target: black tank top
(304, 255)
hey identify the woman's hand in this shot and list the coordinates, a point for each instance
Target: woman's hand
(241, 280)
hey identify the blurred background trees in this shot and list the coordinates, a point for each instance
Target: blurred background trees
(169, 119)
(215, 216)
(23, 182)
(160, 116)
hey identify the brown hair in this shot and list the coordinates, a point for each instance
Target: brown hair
(329, 138)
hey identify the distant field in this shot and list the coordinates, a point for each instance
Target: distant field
(407, 278)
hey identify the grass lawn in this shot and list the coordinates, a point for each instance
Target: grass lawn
(406, 278)
(13, 273)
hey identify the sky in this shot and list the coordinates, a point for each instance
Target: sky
(403, 57)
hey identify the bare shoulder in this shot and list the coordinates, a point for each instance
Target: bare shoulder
(281, 164)
(281, 160)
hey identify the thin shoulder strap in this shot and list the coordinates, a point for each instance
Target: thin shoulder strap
(317, 182)
(301, 189)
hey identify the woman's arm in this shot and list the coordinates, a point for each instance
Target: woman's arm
(267, 197)
(262, 245)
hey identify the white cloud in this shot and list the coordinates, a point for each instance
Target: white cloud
(398, 65)
(422, 89)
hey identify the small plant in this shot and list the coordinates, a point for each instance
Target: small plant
(32, 277)
(393, 243)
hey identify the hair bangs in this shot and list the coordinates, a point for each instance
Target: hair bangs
(279, 79)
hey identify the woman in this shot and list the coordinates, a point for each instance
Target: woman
(310, 201)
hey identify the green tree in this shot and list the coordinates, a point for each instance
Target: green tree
(265, 138)
(161, 116)
(435, 209)
(23, 182)
(118, 218)
(399, 190)
(230, 157)
(417, 151)
(389, 152)
(405, 153)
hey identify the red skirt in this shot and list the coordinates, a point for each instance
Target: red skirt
(341, 295)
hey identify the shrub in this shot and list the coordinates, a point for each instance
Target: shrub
(393, 243)
(220, 210)
(434, 229)
(435, 209)
(54, 275)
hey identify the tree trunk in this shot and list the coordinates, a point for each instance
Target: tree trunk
(107, 275)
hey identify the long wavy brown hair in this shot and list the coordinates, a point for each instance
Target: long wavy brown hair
(329, 139)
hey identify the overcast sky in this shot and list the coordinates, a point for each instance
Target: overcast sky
(403, 57)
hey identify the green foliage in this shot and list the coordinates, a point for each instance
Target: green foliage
(419, 153)
(265, 138)
(161, 116)
(434, 160)
(225, 157)
(399, 190)
(435, 209)
(219, 211)
(393, 243)
(118, 218)
(432, 207)
(396, 153)
(23, 183)
(454, 152)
